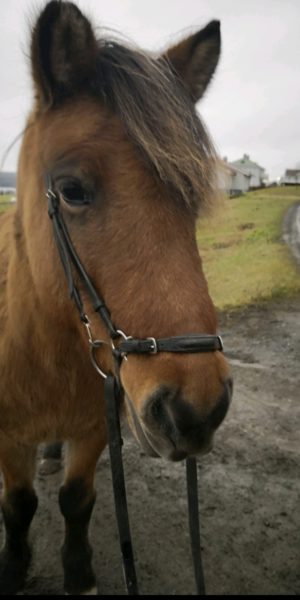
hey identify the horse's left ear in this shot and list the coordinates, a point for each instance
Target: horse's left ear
(195, 58)
(63, 52)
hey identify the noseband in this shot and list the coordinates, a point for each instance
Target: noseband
(113, 390)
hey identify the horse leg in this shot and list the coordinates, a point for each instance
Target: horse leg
(51, 461)
(76, 498)
(18, 503)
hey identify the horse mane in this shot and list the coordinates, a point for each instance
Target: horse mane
(161, 120)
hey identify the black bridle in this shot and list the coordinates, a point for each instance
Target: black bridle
(113, 390)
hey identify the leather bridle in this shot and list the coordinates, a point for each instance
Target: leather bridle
(113, 390)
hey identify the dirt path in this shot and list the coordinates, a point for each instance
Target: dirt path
(250, 488)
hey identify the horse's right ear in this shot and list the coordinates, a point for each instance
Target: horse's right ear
(63, 52)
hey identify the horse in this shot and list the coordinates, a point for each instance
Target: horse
(116, 131)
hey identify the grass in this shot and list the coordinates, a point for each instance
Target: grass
(4, 200)
(244, 258)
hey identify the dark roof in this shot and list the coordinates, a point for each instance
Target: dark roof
(8, 180)
(292, 172)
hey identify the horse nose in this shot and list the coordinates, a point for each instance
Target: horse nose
(187, 427)
(220, 410)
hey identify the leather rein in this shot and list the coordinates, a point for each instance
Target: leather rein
(113, 390)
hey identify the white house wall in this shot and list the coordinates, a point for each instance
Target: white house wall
(240, 182)
(292, 179)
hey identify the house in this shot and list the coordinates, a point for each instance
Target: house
(8, 182)
(231, 179)
(258, 174)
(291, 177)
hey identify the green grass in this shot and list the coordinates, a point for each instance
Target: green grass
(244, 258)
(4, 199)
(5, 202)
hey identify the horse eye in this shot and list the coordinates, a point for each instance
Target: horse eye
(75, 194)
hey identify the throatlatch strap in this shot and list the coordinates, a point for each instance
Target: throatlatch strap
(115, 449)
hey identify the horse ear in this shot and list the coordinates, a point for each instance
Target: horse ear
(195, 58)
(63, 52)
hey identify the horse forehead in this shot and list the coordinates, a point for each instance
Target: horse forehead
(83, 124)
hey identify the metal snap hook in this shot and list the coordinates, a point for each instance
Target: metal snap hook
(93, 345)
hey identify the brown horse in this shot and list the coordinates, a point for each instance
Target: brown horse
(131, 163)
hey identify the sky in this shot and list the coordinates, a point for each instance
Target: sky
(251, 107)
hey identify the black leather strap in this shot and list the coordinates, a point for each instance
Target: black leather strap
(194, 524)
(190, 343)
(111, 396)
(68, 256)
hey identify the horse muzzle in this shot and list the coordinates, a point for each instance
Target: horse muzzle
(171, 427)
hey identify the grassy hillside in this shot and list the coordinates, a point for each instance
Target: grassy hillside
(244, 258)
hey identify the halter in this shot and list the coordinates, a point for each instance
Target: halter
(113, 390)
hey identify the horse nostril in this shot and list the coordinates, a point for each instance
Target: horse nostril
(219, 412)
(159, 410)
(180, 421)
(173, 416)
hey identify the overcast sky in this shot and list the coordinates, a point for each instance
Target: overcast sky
(251, 107)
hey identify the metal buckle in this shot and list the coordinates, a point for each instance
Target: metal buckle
(153, 350)
(52, 203)
(50, 194)
(221, 343)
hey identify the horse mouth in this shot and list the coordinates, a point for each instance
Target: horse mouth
(157, 446)
(138, 431)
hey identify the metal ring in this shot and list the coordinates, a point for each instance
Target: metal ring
(93, 346)
(123, 335)
(221, 343)
(125, 338)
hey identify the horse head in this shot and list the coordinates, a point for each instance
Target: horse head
(132, 165)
